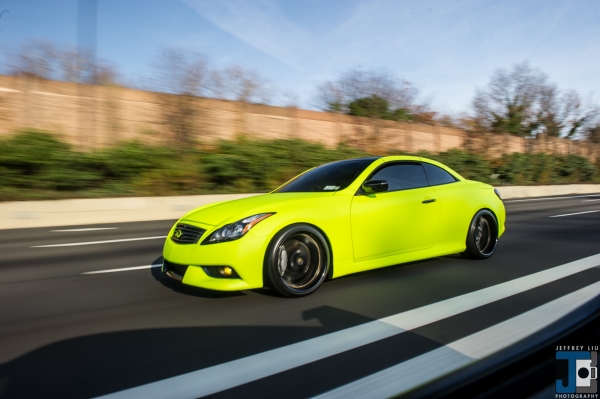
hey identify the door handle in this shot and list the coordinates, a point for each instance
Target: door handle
(427, 201)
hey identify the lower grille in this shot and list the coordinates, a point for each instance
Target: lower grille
(186, 234)
(178, 270)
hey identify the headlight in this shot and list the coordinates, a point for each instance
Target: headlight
(236, 230)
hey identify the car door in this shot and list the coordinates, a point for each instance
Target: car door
(402, 219)
(453, 203)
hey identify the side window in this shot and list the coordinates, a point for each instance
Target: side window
(437, 175)
(402, 176)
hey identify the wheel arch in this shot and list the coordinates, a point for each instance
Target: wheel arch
(473, 250)
(487, 208)
(490, 210)
(314, 226)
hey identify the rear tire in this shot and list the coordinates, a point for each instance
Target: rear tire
(297, 261)
(482, 237)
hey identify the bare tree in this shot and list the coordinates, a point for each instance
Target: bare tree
(549, 117)
(72, 66)
(563, 114)
(82, 67)
(591, 130)
(592, 133)
(106, 74)
(188, 75)
(376, 95)
(182, 72)
(44, 59)
(330, 97)
(240, 84)
(185, 74)
(35, 58)
(508, 105)
(466, 122)
(577, 114)
(354, 84)
(522, 102)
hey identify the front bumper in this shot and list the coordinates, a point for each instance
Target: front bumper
(245, 256)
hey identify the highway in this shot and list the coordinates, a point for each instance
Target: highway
(98, 318)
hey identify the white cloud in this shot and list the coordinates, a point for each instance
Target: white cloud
(260, 23)
(445, 48)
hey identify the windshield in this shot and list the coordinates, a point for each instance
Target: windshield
(333, 176)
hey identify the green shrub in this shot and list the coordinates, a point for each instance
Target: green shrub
(539, 168)
(575, 168)
(36, 165)
(263, 165)
(39, 161)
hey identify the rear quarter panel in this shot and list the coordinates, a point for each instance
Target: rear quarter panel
(458, 204)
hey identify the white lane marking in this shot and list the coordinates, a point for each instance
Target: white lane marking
(597, 199)
(238, 372)
(123, 269)
(553, 198)
(90, 229)
(576, 213)
(422, 369)
(72, 244)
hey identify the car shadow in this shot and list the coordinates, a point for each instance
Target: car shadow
(455, 256)
(99, 364)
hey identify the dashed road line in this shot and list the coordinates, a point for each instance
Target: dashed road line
(576, 213)
(73, 244)
(123, 269)
(88, 229)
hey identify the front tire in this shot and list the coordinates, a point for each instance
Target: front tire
(482, 237)
(297, 261)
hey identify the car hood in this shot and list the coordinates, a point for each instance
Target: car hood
(232, 211)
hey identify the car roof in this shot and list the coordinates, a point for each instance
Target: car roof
(393, 158)
(400, 158)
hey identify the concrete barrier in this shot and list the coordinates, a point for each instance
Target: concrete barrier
(71, 212)
(508, 192)
(28, 214)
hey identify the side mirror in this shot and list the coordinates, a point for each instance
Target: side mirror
(375, 186)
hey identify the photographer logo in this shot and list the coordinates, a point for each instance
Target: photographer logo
(576, 371)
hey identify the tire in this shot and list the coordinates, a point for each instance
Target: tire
(297, 261)
(482, 237)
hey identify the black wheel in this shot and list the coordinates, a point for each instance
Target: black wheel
(297, 261)
(482, 237)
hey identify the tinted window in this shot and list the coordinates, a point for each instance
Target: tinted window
(437, 175)
(402, 176)
(330, 177)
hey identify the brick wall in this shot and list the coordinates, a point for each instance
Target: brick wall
(96, 116)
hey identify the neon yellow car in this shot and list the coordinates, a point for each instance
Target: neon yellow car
(336, 219)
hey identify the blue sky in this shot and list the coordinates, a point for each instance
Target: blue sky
(446, 48)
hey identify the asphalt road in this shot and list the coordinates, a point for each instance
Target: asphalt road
(65, 333)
